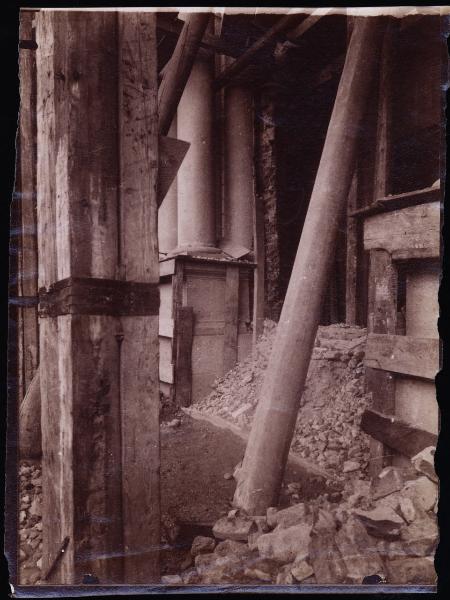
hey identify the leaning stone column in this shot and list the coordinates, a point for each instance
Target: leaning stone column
(239, 189)
(196, 206)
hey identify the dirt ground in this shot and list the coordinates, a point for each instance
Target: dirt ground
(195, 456)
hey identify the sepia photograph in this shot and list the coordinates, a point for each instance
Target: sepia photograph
(225, 261)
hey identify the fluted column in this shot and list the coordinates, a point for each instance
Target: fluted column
(239, 188)
(196, 205)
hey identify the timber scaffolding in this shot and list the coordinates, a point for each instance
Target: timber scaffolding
(242, 229)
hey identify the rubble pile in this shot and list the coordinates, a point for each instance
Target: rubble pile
(378, 531)
(30, 522)
(327, 430)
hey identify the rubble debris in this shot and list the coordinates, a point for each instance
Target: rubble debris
(423, 462)
(283, 545)
(327, 431)
(382, 522)
(202, 545)
(236, 527)
(376, 533)
(422, 491)
(30, 522)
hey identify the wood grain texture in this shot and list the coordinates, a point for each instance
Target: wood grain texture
(403, 354)
(381, 318)
(396, 434)
(77, 182)
(231, 318)
(139, 370)
(183, 370)
(412, 232)
(351, 255)
(28, 267)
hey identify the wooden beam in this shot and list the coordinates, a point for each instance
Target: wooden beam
(418, 357)
(273, 425)
(79, 370)
(397, 201)
(28, 267)
(295, 34)
(396, 434)
(258, 274)
(179, 68)
(209, 41)
(231, 318)
(183, 365)
(412, 232)
(245, 59)
(381, 318)
(352, 255)
(97, 219)
(139, 348)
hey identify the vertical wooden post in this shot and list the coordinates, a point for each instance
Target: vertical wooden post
(383, 277)
(139, 262)
(99, 356)
(259, 271)
(231, 318)
(273, 426)
(352, 255)
(183, 371)
(28, 275)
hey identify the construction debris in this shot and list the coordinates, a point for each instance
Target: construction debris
(327, 430)
(362, 538)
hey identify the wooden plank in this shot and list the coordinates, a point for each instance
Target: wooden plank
(139, 370)
(171, 155)
(352, 256)
(381, 318)
(231, 318)
(259, 272)
(28, 271)
(183, 365)
(77, 219)
(403, 354)
(408, 232)
(396, 434)
(396, 201)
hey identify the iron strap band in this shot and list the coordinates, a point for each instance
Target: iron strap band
(93, 296)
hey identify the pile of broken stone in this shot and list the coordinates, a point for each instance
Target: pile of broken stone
(381, 531)
(30, 522)
(327, 430)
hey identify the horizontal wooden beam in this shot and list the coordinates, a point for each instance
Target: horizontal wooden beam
(209, 41)
(412, 232)
(418, 357)
(286, 22)
(397, 434)
(397, 201)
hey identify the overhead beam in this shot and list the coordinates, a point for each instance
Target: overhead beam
(179, 68)
(295, 34)
(245, 59)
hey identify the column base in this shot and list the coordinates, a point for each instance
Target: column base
(195, 249)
